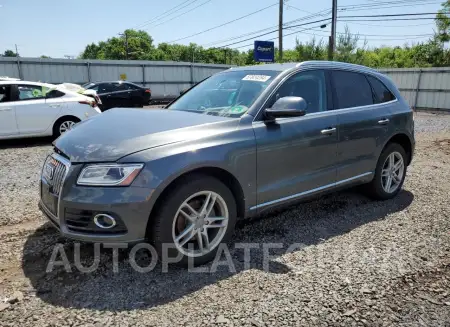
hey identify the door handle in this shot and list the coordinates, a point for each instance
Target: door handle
(383, 121)
(5, 109)
(328, 131)
(55, 105)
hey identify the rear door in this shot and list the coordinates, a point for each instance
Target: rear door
(363, 124)
(33, 112)
(8, 124)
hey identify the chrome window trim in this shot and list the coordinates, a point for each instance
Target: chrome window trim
(300, 69)
(297, 195)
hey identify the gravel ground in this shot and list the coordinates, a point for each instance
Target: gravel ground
(360, 263)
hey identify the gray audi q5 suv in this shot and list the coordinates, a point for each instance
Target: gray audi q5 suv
(238, 143)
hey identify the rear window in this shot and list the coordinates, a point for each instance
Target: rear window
(88, 85)
(352, 89)
(381, 92)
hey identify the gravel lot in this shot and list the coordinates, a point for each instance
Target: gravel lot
(361, 263)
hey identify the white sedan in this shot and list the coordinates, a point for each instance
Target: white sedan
(29, 109)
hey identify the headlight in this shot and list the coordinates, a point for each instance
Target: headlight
(109, 174)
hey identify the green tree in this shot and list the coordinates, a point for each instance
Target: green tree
(10, 53)
(443, 22)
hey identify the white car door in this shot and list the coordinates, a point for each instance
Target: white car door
(8, 124)
(34, 113)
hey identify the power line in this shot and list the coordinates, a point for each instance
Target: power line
(426, 24)
(229, 22)
(202, 4)
(388, 19)
(389, 15)
(320, 13)
(384, 5)
(276, 30)
(167, 13)
(295, 32)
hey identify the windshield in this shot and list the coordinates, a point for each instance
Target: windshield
(228, 94)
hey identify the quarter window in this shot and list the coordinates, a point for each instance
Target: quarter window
(352, 89)
(381, 92)
(310, 85)
(54, 94)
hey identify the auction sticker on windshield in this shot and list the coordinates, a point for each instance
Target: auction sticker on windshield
(256, 78)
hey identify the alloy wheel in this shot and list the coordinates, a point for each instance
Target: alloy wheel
(65, 126)
(392, 172)
(200, 224)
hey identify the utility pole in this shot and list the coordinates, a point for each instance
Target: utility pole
(126, 43)
(18, 63)
(332, 39)
(280, 31)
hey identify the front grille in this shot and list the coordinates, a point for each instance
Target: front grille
(55, 172)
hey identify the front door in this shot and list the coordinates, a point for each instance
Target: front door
(363, 124)
(8, 125)
(296, 156)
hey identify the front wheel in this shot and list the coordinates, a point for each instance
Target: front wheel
(390, 173)
(198, 215)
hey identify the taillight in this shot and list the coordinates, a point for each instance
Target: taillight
(90, 103)
(147, 91)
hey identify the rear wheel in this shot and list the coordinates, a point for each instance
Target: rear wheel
(198, 216)
(390, 173)
(63, 125)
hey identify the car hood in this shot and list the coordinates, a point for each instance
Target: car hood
(119, 132)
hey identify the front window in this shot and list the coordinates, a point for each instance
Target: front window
(228, 94)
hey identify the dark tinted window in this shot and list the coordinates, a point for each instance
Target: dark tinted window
(131, 86)
(381, 92)
(54, 94)
(102, 88)
(352, 89)
(118, 87)
(311, 86)
(5, 93)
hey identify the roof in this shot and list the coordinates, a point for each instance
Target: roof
(26, 83)
(305, 64)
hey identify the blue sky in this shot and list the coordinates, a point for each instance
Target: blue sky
(60, 27)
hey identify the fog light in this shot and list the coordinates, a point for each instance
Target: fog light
(104, 221)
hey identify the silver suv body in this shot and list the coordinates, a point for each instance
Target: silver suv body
(240, 142)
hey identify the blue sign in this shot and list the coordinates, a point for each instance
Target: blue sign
(264, 51)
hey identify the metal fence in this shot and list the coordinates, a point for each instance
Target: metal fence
(423, 88)
(165, 79)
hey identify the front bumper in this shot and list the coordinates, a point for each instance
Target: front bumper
(73, 209)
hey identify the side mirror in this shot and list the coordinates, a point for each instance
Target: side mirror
(287, 107)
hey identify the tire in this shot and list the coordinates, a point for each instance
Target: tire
(64, 124)
(375, 187)
(169, 224)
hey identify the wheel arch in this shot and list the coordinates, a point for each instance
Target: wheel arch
(405, 141)
(62, 118)
(227, 178)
